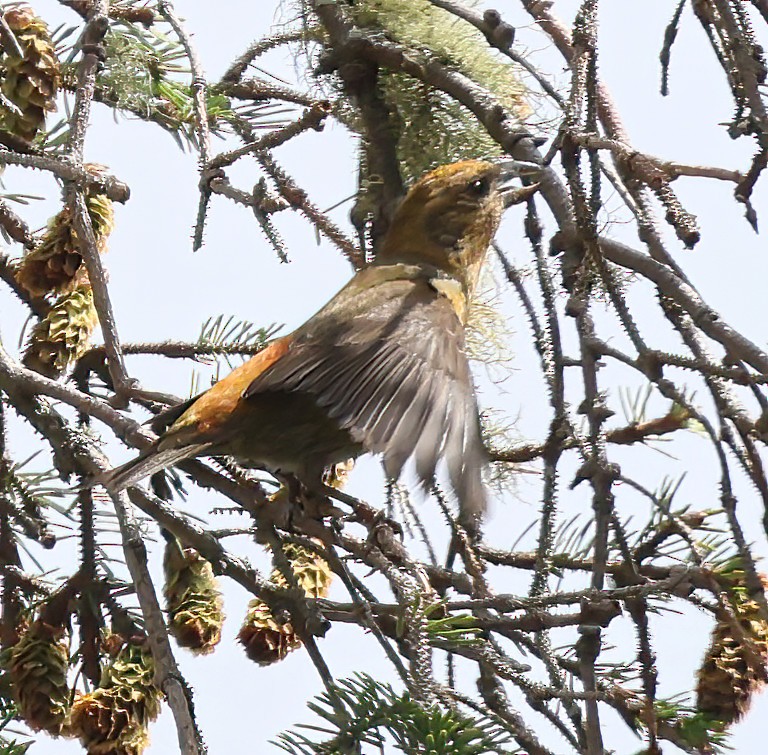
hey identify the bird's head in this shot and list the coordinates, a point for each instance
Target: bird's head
(449, 217)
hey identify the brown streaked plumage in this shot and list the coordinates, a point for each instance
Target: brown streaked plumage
(381, 368)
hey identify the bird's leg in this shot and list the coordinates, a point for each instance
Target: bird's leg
(317, 504)
(292, 485)
(309, 501)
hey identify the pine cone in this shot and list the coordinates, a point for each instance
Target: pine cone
(265, 639)
(192, 598)
(734, 669)
(114, 718)
(311, 571)
(104, 725)
(38, 670)
(54, 265)
(63, 335)
(31, 82)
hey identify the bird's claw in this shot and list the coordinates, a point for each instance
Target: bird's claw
(311, 503)
(374, 519)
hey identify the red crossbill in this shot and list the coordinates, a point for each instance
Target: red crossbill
(381, 368)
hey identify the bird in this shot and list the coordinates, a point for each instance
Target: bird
(382, 368)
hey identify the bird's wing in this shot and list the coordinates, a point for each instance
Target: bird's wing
(202, 418)
(387, 361)
(194, 424)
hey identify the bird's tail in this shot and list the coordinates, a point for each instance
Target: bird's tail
(148, 462)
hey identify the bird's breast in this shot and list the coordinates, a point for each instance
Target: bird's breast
(452, 290)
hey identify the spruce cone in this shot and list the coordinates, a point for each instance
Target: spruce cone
(38, 670)
(53, 265)
(734, 669)
(30, 82)
(192, 599)
(265, 639)
(114, 718)
(312, 572)
(63, 335)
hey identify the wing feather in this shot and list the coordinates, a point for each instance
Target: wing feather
(429, 446)
(400, 443)
(395, 374)
(344, 384)
(392, 411)
(383, 388)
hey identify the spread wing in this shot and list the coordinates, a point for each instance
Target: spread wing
(388, 363)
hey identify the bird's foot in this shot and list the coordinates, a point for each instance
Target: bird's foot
(363, 513)
(387, 535)
(310, 502)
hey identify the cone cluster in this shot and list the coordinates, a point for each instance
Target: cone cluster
(192, 598)
(63, 335)
(55, 265)
(114, 718)
(38, 670)
(32, 81)
(55, 268)
(265, 638)
(735, 666)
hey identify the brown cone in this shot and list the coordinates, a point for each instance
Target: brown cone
(38, 670)
(734, 667)
(32, 81)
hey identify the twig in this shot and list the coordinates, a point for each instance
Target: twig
(14, 226)
(141, 15)
(670, 34)
(240, 64)
(199, 85)
(15, 375)
(93, 53)
(199, 96)
(500, 35)
(653, 170)
(88, 247)
(178, 349)
(257, 90)
(312, 118)
(633, 433)
(668, 283)
(67, 169)
(298, 198)
(255, 200)
(167, 674)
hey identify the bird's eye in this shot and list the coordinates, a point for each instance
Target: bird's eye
(479, 187)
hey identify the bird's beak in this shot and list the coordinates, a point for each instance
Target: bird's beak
(518, 169)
